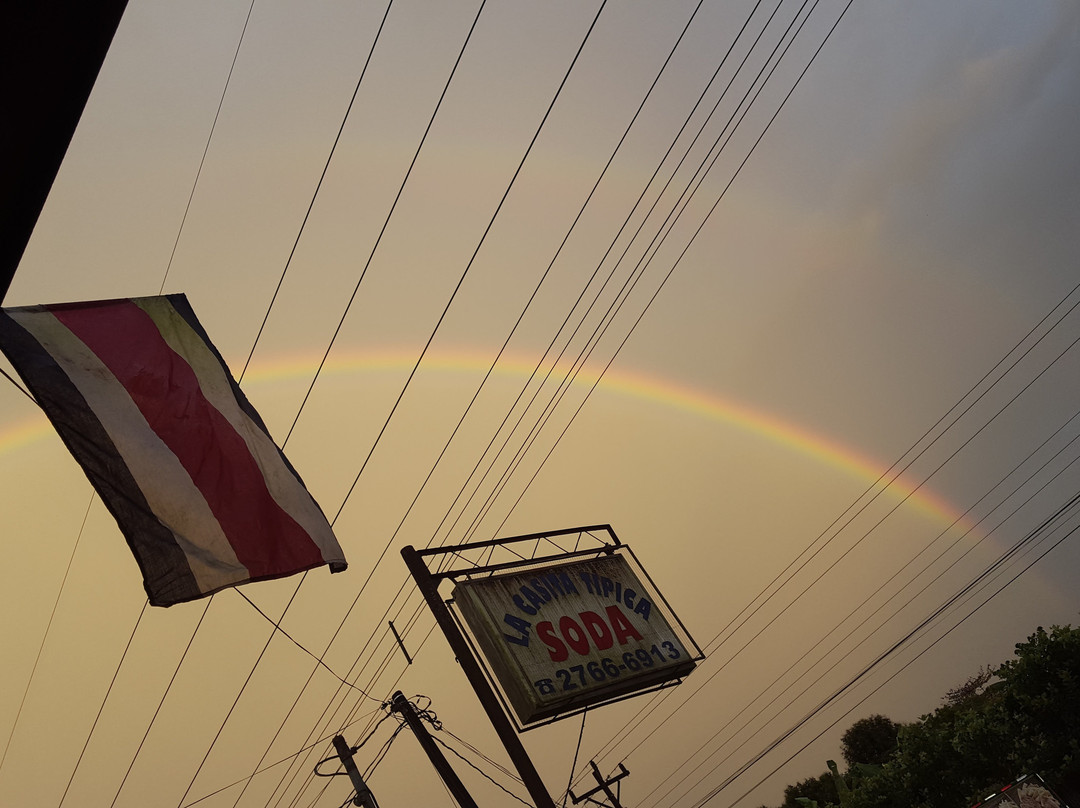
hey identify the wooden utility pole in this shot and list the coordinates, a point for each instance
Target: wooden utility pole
(400, 704)
(429, 588)
(363, 796)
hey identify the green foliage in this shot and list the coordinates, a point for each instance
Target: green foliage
(985, 735)
(820, 790)
(945, 760)
(870, 740)
(1025, 722)
(842, 788)
(970, 688)
(1041, 702)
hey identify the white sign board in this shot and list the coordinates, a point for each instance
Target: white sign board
(562, 637)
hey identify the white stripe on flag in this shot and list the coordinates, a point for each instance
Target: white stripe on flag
(283, 485)
(165, 484)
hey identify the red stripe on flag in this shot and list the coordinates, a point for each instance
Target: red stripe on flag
(266, 539)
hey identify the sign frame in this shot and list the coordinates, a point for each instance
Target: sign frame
(576, 549)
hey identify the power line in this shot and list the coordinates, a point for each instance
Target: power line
(699, 228)
(206, 148)
(468, 266)
(319, 660)
(967, 592)
(329, 722)
(247, 362)
(506, 342)
(866, 534)
(888, 472)
(874, 487)
(266, 768)
(1046, 523)
(577, 750)
(476, 751)
(476, 768)
(624, 292)
(629, 285)
(596, 298)
(161, 703)
(172, 254)
(517, 324)
(356, 288)
(318, 187)
(540, 363)
(19, 387)
(104, 700)
(833, 564)
(698, 690)
(866, 670)
(45, 637)
(710, 211)
(850, 633)
(457, 287)
(236, 701)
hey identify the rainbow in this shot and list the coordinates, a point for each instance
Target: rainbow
(663, 392)
(23, 433)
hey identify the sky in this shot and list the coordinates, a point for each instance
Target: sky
(875, 276)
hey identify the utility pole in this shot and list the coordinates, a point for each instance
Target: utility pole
(400, 704)
(363, 797)
(604, 785)
(429, 588)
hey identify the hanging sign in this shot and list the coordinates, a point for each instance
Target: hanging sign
(1030, 791)
(563, 637)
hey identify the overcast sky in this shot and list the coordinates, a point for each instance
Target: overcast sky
(907, 220)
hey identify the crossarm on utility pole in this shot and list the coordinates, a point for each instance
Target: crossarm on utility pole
(605, 786)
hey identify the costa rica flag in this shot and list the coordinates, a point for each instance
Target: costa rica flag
(148, 408)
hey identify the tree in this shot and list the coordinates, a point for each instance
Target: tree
(870, 740)
(1021, 718)
(1024, 723)
(820, 789)
(1041, 704)
(842, 788)
(971, 688)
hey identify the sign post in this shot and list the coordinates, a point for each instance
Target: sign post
(542, 636)
(518, 756)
